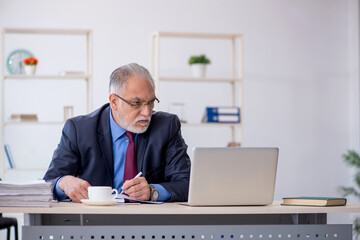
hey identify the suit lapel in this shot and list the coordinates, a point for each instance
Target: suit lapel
(141, 143)
(105, 142)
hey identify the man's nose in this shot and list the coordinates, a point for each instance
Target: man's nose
(146, 110)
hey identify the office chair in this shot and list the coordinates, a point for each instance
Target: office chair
(6, 222)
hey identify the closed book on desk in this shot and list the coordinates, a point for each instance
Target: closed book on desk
(314, 201)
(222, 114)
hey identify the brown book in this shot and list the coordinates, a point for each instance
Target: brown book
(314, 201)
(24, 117)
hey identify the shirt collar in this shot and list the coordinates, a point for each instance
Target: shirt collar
(116, 130)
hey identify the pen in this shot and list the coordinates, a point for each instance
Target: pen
(137, 175)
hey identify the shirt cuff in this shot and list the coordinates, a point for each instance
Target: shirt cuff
(164, 195)
(59, 194)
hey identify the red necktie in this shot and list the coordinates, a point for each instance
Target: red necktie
(130, 170)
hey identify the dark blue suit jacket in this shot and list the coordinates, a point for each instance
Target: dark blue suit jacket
(85, 151)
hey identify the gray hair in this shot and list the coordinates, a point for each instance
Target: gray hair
(120, 76)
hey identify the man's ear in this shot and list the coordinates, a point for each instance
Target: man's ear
(113, 101)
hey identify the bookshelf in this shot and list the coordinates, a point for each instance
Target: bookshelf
(235, 80)
(52, 82)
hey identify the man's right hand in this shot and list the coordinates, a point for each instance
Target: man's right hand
(75, 188)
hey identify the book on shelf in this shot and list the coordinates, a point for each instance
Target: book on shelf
(9, 156)
(30, 194)
(222, 115)
(314, 201)
(72, 73)
(24, 117)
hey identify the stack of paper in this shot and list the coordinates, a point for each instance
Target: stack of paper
(29, 194)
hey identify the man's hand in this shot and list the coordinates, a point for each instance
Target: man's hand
(137, 188)
(75, 188)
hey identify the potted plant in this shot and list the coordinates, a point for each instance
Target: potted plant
(353, 159)
(30, 65)
(198, 65)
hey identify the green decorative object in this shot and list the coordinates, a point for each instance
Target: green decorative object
(198, 65)
(199, 59)
(352, 158)
(14, 62)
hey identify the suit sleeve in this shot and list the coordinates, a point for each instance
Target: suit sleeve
(66, 157)
(177, 170)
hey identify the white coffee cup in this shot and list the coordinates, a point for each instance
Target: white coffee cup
(102, 193)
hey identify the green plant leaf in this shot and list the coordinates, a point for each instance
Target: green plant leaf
(199, 59)
(346, 191)
(356, 225)
(357, 179)
(352, 158)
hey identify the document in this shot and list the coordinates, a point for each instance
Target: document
(30, 194)
(122, 198)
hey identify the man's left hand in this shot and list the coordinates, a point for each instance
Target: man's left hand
(137, 188)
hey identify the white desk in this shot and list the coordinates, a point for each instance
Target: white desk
(172, 221)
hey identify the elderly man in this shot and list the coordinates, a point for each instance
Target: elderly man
(109, 146)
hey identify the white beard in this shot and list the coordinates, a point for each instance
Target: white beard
(132, 126)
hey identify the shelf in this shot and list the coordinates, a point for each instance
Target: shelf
(185, 79)
(25, 169)
(80, 77)
(211, 124)
(34, 122)
(46, 31)
(234, 78)
(196, 35)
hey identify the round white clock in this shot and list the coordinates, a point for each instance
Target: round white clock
(15, 61)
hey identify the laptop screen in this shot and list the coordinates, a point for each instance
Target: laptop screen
(233, 176)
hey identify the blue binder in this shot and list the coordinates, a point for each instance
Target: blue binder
(222, 114)
(9, 156)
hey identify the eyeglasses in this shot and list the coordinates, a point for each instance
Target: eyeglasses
(139, 103)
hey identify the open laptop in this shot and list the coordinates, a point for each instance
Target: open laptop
(232, 176)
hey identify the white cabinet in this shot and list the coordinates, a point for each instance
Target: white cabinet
(45, 94)
(163, 43)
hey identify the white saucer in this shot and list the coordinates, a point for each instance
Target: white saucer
(98, 203)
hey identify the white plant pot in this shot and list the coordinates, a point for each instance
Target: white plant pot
(198, 70)
(30, 69)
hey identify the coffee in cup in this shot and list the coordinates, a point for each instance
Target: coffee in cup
(102, 193)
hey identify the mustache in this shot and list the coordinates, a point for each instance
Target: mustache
(143, 118)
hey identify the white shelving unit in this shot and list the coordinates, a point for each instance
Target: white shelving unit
(49, 78)
(236, 79)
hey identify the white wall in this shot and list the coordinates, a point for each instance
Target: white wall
(300, 70)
